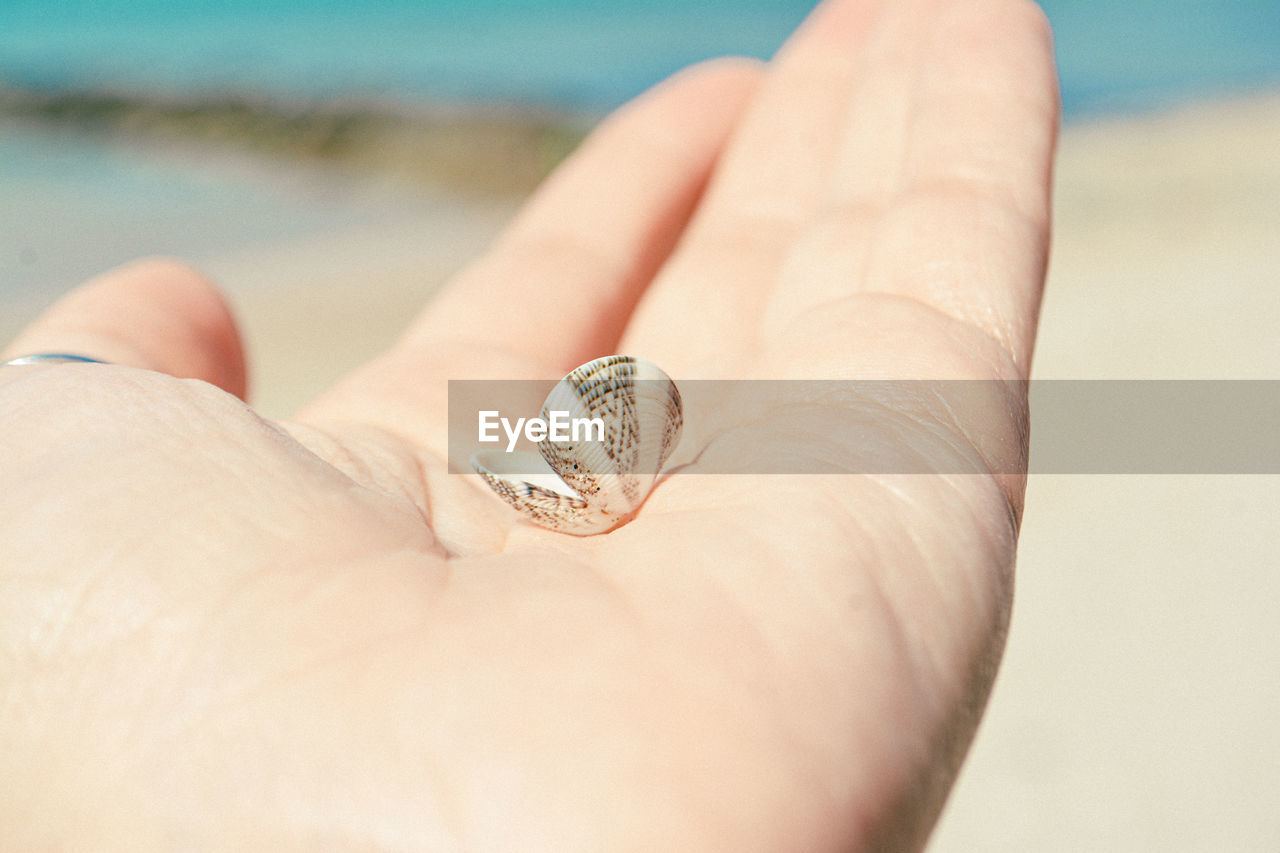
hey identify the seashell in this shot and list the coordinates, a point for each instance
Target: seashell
(593, 485)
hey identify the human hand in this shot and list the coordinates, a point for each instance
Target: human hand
(222, 632)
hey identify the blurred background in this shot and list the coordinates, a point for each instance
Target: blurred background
(330, 163)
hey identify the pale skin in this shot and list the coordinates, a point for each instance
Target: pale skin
(225, 633)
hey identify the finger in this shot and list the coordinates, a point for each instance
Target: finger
(867, 167)
(775, 173)
(557, 290)
(771, 181)
(986, 109)
(560, 285)
(980, 153)
(961, 224)
(156, 314)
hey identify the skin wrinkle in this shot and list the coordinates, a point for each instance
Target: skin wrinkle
(215, 611)
(782, 314)
(920, 804)
(913, 107)
(196, 405)
(958, 425)
(754, 647)
(117, 549)
(922, 800)
(1012, 196)
(467, 542)
(1000, 330)
(879, 300)
(420, 480)
(1021, 196)
(889, 557)
(904, 650)
(604, 595)
(285, 677)
(828, 48)
(753, 198)
(93, 662)
(860, 97)
(981, 188)
(971, 191)
(765, 230)
(947, 285)
(976, 595)
(1004, 539)
(783, 668)
(44, 639)
(895, 282)
(912, 86)
(373, 459)
(206, 630)
(763, 234)
(926, 432)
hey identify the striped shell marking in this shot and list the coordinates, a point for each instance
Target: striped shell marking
(591, 486)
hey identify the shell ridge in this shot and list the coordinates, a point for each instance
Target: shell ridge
(610, 477)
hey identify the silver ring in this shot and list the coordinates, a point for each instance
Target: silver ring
(51, 358)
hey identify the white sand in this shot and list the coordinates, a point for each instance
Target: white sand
(311, 310)
(1139, 703)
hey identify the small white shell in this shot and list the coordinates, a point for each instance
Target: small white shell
(592, 486)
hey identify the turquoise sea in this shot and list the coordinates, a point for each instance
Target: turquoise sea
(581, 54)
(75, 200)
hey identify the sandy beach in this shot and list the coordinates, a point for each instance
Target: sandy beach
(1137, 705)
(1136, 708)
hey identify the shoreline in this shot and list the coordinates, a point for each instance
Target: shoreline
(1183, 201)
(492, 148)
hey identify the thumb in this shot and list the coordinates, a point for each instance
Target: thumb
(155, 313)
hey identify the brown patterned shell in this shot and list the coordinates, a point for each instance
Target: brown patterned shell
(599, 482)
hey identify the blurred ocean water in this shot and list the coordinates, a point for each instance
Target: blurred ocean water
(575, 54)
(77, 198)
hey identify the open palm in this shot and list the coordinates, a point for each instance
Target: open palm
(218, 631)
